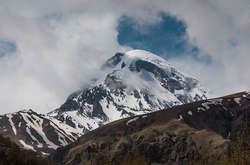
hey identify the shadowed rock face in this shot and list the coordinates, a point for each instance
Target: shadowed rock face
(169, 136)
(113, 61)
(171, 81)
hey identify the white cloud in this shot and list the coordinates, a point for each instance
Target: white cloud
(220, 29)
(61, 44)
(56, 55)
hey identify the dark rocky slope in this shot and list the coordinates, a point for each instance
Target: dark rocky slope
(12, 154)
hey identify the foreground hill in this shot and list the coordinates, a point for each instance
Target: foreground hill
(173, 136)
(12, 154)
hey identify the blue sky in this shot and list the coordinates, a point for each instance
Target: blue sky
(166, 38)
(6, 48)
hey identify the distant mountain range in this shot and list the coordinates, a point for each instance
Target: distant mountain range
(133, 83)
(36, 131)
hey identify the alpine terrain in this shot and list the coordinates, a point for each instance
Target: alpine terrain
(132, 83)
(135, 82)
(35, 131)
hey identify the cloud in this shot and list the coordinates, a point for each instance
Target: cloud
(220, 29)
(56, 54)
(60, 44)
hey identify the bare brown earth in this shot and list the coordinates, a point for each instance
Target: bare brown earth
(172, 136)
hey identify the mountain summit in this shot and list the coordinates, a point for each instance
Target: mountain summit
(133, 83)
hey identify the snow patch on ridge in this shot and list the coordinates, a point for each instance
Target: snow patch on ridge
(37, 125)
(237, 100)
(26, 146)
(11, 123)
(132, 120)
(190, 113)
(180, 117)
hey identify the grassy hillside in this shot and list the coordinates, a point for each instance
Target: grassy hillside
(11, 154)
(237, 153)
(214, 131)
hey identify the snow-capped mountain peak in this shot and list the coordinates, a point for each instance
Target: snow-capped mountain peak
(129, 58)
(132, 83)
(134, 55)
(135, 82)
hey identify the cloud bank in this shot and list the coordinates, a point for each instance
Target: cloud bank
(60, 44)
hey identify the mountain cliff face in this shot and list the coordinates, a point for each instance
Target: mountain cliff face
(133, 83)
(171, 136)
(36, 132)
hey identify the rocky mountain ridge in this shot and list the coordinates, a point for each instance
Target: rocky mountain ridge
(133, 83)
(36, 132)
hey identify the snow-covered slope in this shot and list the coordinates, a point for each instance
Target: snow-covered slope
(133, 83)
(36, 132)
